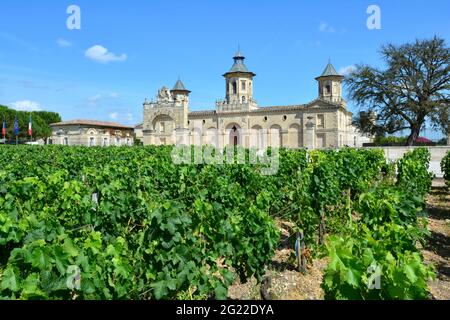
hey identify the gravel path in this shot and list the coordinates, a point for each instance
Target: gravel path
(437, 249)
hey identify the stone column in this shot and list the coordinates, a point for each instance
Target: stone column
(181, 136)
(310, 133)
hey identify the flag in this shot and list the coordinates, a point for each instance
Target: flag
(4, 127)
(30, 127)
(16, 126)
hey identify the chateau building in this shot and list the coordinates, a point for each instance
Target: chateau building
(239, 120)
(91, 133)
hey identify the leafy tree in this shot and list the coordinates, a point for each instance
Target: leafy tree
(413, 89)
(41, 121)
(48, 117)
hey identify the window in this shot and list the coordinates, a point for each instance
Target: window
(66, 141)
(328, 88)
(320, 140)
(265, 119)
(243, 85)
(128, 142)
(284, 118)
(243, 99)
(117, 141)
(162, 126)
(91, 142)
(234, 87)
(105, 142)
(320, 121)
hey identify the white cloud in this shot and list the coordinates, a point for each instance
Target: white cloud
(26, 105)
(94, 100)
(345, 71)
(121, 116)
(12, 38)
(64, 43)
(325, 27)
(101, 54)
(113, 115)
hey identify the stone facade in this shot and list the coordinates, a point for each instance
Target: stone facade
(238, 120)
(91, 133)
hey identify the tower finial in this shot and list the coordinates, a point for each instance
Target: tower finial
(239, 54)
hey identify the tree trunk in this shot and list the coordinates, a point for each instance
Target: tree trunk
(413, 136)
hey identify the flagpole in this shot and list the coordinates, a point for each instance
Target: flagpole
(4, 129)
(30, 128)
(16, 129)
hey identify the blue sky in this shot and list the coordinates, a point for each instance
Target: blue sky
(43, 64)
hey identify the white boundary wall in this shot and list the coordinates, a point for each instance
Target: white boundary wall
(437, 153)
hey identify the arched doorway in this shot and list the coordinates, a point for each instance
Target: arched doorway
(275, 136)
(295, 137)
(234, 133)
(164, 126)
(257, 137)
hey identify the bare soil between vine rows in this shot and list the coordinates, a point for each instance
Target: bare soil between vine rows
(286, 283)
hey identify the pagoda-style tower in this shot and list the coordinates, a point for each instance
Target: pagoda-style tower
(238, 87)
(330, 85)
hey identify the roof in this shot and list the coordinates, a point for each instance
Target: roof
(179, 86)
(139, 126)
(330, 71)
(91, 123)
(239, 65)
(268, 108)
(423, 140)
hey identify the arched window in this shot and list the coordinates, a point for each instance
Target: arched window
(243, 99)
(328, 88)
(234, 87)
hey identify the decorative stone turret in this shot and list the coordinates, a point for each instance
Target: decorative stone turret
(179, 92)
(239, 87)
(167, 114)
(330, 85)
